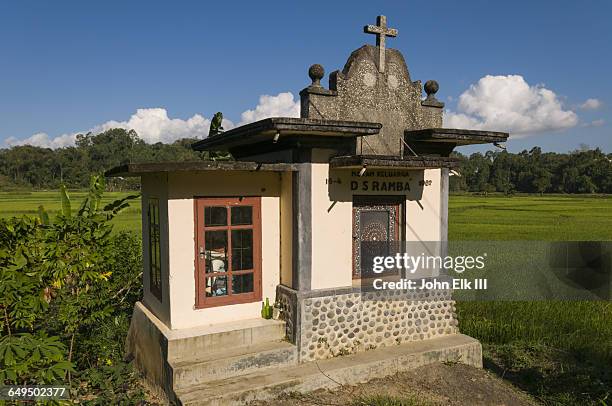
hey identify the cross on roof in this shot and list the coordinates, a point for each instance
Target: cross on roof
(381, 31)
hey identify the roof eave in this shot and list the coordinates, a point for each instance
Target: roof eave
(270, 127)
(457, 136)
(384, 162)
(139, 169)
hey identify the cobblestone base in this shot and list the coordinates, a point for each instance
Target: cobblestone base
(340, 324)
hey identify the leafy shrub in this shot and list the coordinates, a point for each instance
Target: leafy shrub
(27, 357)
(67, 289)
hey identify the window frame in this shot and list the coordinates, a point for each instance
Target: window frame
(200, 203)
(155, 275)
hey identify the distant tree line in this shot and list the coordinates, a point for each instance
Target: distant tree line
(582, 171)
(45, 168)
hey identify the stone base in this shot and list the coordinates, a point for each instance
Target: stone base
(331, 322)
(329, 373)
(178, 359)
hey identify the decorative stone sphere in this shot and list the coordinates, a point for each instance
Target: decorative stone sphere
(431, 87)
(316, 73)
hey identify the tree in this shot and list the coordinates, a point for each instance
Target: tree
(541, 180)
(501, 171)
(477, 171)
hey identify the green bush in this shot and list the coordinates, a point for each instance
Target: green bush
(67, 289)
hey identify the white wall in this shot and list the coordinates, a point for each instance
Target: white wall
(156, 186)
(332, 222)
(423, 215)
(183, 187)
(332, 228)
(286, 242)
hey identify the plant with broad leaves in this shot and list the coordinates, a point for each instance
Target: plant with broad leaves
(26, 357)
(53, 281)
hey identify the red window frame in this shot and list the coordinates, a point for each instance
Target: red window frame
(200, 262)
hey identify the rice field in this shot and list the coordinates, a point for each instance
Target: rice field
(546, 218)
(494, 217)
(558, 351)
(16, 204)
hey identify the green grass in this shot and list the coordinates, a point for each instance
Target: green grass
(559, 217)
(26, 203)
(385, 400)
(547, 218)
(559, 352)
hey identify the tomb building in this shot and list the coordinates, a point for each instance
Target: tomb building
(367, 160)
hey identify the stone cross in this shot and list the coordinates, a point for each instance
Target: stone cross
(381, 31)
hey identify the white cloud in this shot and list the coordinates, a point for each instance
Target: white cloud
(153, 124)
(509, 103)
(595, 123)
(591, 104)
(281, 105)
(43, 140)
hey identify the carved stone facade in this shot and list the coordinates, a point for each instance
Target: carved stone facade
(361, 93)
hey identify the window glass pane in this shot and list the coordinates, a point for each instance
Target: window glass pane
(215, 254)
(154, 248)
(157, 256)
(215, 216)
(155, 277)
(216, 286)
(242, 215)
(242, 249)
(242, 283)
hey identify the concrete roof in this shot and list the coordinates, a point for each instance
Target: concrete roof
(455, 136)
(378, 161)
(302, 128)
(142, 168)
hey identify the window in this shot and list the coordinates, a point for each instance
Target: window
(154, 248)
(228, 251)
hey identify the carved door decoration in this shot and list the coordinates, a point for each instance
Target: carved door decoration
(375, 218)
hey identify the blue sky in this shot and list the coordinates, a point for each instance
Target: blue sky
(72, 66)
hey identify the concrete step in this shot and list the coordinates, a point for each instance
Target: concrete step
(232, 361)
(187, 343)
(345, 370)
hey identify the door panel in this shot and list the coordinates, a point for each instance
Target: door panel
(375, 218)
